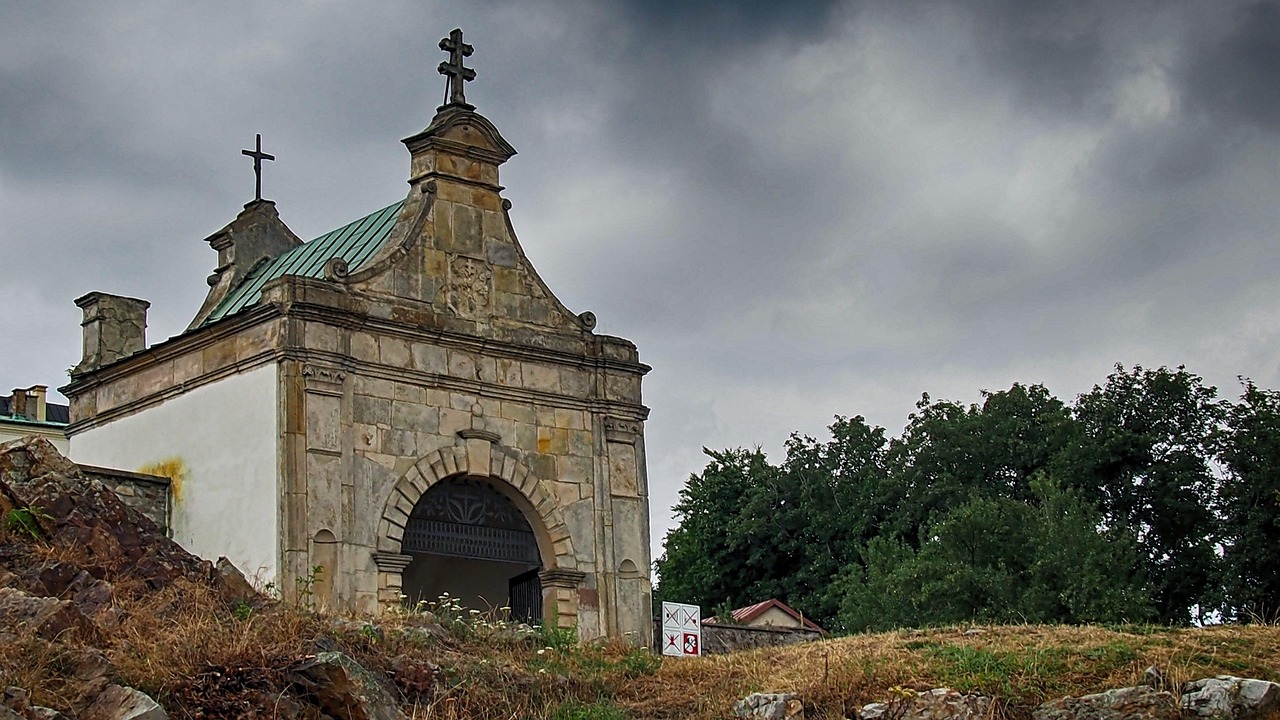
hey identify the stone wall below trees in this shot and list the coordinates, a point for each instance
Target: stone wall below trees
(718, 639)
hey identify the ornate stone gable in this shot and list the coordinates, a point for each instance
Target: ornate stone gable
(453, 253)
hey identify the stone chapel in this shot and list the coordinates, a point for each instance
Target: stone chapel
(396, 409)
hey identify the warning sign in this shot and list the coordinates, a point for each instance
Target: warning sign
(681, 630)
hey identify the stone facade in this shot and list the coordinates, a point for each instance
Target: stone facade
(443, 355)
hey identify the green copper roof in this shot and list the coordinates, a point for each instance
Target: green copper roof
(355, 243)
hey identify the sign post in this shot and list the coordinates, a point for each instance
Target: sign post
(681, 630)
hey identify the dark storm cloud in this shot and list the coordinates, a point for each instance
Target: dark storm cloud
(674, 26)
(795, 209)
(1234, 75)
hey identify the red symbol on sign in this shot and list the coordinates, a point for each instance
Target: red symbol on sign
(671, 640)
(690, 644)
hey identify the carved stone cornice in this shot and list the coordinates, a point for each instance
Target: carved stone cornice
(561, 578)
(466, 386)
(323, 380)
(391, 562)
(622, 430)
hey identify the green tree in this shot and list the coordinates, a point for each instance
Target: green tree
(715, 553)
(999, 560)
(1148, 439)
(829, 498)
(749, 530)
(1250, 499)
(950, 453)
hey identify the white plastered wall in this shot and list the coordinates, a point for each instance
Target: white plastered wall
(17, 431)
(217, 443)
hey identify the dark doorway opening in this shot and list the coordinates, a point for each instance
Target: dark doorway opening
(471, 541)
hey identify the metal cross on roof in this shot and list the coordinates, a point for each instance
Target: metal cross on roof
(454, 70)
(258, 156)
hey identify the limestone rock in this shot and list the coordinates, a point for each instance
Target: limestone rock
(82, 514)
(235, 586)
(415, 674)
(120, 702)
(1226, 696)
(1131, 703)
(15, 704)
(769, 706)
(345, 688)
(46, 617)
(936, 704)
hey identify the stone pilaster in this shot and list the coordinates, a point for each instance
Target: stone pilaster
(560, 595)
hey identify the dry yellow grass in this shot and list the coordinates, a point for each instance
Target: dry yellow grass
(202, 660)
(1020, 665)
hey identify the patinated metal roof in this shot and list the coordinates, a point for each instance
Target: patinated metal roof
(355, 242)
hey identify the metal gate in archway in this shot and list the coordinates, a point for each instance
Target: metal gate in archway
(469, 519)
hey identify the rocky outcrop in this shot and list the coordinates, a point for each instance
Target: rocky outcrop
(345, 688)
(1131, 703)
(936, 704)
(1226, 696)
(60, 506)
(769, 706)
(69, 548)
(22, 613)
(118, 702)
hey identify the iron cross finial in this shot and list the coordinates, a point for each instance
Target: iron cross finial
(453, 69)
(258, 156)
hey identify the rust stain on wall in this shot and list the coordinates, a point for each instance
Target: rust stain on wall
(173, 468)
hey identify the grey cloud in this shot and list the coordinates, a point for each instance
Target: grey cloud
(794, 209)
(1233, 77)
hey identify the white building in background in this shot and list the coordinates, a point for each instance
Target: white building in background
(26, 411)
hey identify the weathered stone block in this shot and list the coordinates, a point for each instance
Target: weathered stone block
(451, 421)
(507, 280)
(565, 492)
(364, 347)
(462, 365)
(318, 336)
(415, 417)
(397, 442)
(574, 469)
(553, 441)
(541, 377)
(1119, 704)
(430, 358)
(370, 410)
(393, 351)
(581, 444)
(405, 392)
(569, 419)
(518, 412)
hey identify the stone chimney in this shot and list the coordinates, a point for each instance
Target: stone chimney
(29, 403)
(115, 327)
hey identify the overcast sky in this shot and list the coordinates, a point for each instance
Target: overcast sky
(795, 209)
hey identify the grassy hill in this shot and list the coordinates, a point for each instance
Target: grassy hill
(201, 659)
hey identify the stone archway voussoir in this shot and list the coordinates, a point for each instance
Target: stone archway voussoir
(466, 459)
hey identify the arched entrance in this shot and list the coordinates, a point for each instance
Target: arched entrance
(467, 538)
(479, 455)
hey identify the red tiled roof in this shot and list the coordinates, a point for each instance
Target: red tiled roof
(746, 614)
